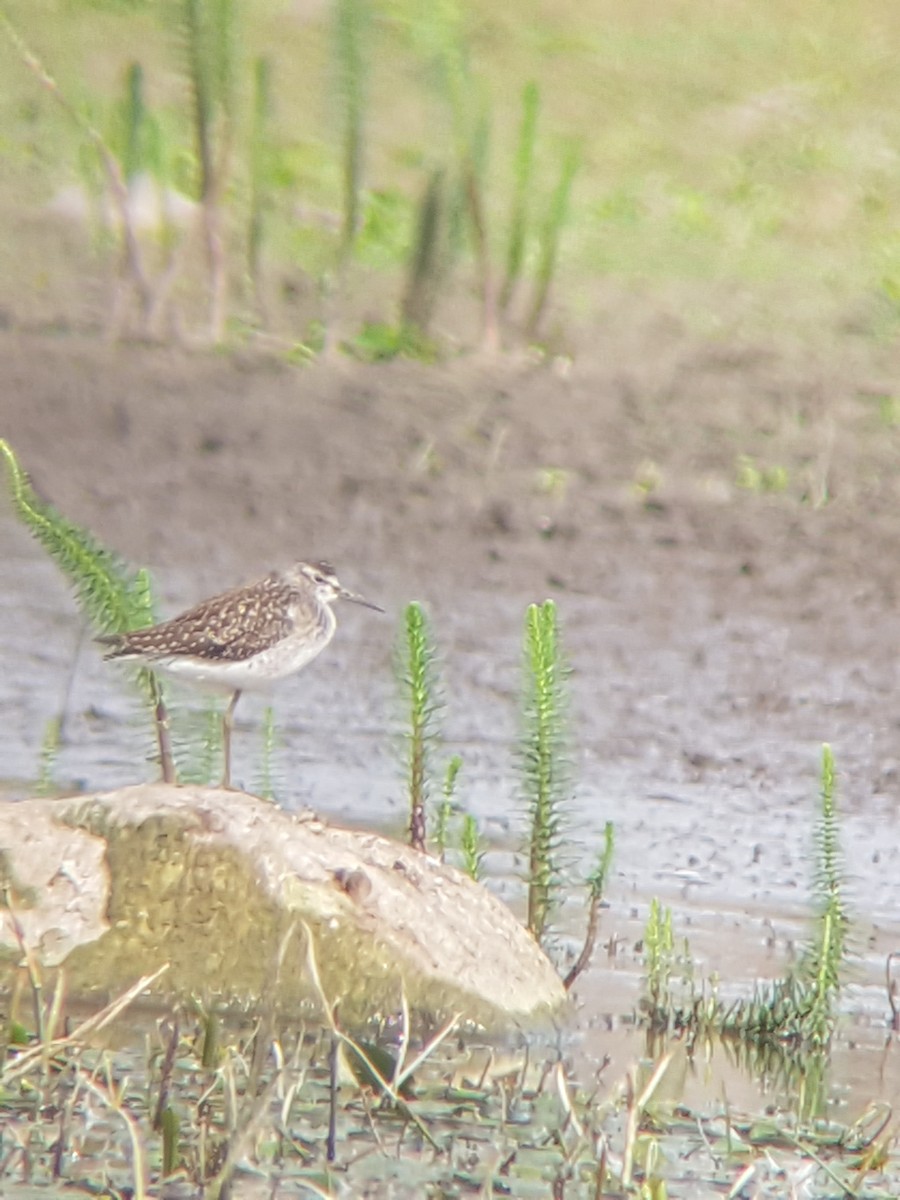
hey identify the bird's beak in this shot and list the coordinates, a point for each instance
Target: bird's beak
(357, 599)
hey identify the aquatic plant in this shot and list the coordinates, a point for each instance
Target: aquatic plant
(824, 958)
(320, 1108)
(113, 598)
(471, 847)
(596, 885)
(266, 785)
(794, 1014)
(659, 960)
(445, 808)
(416, 673)
(545, 778)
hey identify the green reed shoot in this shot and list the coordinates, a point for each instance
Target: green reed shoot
(416, 672)
(266, 787)
(522, 188)
(472, 848)
(209, 30)
(551, 230)
(171, 1133)
(134, 114)
(352, 36)
(46, 784)
(445, 809)
(137, 135)
(210, 1052)
(659, 949)
(545, 769)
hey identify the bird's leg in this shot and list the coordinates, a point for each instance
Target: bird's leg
(227, 724)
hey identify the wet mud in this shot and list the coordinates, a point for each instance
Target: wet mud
(717, 524)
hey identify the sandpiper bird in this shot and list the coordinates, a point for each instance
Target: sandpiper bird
(244, 639)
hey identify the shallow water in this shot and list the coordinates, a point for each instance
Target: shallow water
(712, 803)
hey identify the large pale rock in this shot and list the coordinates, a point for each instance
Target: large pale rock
(225, 888)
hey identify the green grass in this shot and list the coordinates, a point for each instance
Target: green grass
(750, 147)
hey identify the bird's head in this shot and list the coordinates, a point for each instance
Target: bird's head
(320, 578)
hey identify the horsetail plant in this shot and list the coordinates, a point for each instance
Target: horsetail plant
(269, 745)
(544, 766)
(417, 675)
(659, 961)
(821, 965)
(472, 848)
(112, 599)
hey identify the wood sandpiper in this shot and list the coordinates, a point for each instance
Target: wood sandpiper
(245, 639)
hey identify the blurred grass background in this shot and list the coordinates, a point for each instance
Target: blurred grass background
(739, 161)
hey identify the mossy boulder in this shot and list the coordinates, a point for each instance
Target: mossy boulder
(227, 889)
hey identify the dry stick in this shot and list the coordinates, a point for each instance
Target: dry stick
(165, 1075)
(590, 938)
(131, 254)
(331, 1143)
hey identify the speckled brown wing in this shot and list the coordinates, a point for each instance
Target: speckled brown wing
(230, 628)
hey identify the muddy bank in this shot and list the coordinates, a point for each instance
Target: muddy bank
(718, 525)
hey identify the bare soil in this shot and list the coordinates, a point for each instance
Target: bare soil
(717, 633)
